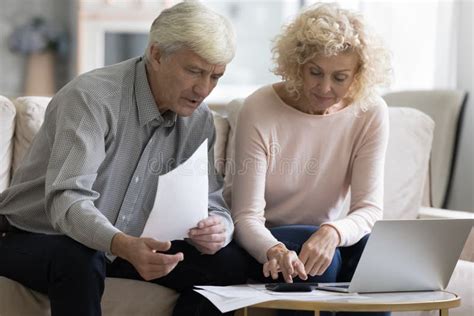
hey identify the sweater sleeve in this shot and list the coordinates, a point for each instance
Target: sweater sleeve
(248, 185)
(367, 181)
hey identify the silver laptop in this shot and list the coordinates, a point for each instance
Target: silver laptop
(408, 255)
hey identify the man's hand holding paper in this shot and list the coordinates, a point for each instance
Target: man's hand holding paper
(209, 235)
(181, 200)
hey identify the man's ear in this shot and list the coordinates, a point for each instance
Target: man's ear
(155, 56)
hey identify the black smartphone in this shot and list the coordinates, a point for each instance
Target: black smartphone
(290, 287)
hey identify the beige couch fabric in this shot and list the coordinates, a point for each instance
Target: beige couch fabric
(29, 118)
(222, 130)
(121, 297)
(443, 106)
(7, 129)
(462, 283)
(232, 113)
(406, 162)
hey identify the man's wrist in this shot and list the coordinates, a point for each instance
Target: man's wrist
(119, 244)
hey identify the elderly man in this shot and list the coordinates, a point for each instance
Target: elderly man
(79, 202)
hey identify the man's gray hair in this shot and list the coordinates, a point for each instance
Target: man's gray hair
(192, 25)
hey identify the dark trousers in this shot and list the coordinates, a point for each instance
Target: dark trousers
(341, 269)
(73, 275)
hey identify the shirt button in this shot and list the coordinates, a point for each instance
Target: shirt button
(137, 179)
(124, 217)
(4, 234)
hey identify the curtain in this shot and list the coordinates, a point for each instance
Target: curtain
(422, 35)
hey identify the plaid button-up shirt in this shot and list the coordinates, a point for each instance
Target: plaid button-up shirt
(92, 169)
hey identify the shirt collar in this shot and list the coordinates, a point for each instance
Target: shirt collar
(147, 108)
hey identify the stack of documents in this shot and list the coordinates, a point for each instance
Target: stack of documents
(228, 298)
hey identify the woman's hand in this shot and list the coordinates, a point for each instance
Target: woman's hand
(285, 261)
(317, 252)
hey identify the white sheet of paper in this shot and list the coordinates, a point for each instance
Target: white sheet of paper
(226, 304)
(181, 199)
(227, 298)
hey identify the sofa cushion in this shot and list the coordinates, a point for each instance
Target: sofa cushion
(222, 132)
(232, 112)
(121, 297)
(19, 300)
(142, 298)
(30, 116)
(407, 161)
(444, 107)
(7, 129)
(461, 283)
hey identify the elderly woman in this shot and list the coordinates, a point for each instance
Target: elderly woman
(306, 143)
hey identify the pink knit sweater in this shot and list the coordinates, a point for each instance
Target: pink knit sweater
(297, 168)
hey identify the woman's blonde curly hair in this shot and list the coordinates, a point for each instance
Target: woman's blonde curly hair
(325, 29)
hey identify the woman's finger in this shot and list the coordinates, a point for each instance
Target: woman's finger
(300, 270)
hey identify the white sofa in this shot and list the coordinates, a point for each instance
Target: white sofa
(405, 185)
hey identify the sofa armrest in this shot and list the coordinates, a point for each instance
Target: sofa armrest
(431, 212)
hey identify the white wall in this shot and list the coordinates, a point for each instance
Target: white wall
(462, 191)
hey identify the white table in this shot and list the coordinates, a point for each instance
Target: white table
(375, 302)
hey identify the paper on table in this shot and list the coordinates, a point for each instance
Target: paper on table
(226, 304)
(246, 290)
(227, 298)
(181, 199)
(234, 291)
